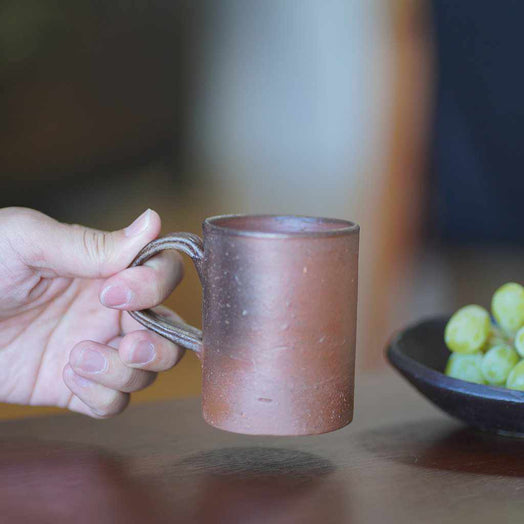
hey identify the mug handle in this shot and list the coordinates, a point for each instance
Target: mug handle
(182, 334)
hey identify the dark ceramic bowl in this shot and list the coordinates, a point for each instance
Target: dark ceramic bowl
(420, 355)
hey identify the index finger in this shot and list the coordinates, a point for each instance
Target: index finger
(143, 286)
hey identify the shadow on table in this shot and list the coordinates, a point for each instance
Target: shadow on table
(447, 446)
(259, 484)
(45, 481)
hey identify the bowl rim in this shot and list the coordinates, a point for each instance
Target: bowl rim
(408, 366)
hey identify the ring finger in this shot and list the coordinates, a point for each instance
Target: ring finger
(101, 364)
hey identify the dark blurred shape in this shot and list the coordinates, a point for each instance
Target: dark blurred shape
(260, 463)
(434, 445)
(479, 127)
(90, 90)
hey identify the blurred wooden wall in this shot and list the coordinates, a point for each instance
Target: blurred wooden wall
(398, 216)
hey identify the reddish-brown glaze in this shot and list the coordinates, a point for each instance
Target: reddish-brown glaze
(279, 322)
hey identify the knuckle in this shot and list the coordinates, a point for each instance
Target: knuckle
(96, 245)
(130, 382)
(137, 380)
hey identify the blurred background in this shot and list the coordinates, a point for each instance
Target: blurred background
(404, 116)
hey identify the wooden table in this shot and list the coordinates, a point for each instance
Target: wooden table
(399, 461)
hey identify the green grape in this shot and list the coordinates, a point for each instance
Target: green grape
(508, 307)
(516, 377)
(519, 342)
(497, 363)
(496, 337)
(467, 330)
(466, 367)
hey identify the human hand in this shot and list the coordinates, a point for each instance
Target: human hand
(65, 339)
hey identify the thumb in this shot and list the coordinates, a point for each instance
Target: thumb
(57, 249)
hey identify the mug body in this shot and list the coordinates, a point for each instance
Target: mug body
(279, 323)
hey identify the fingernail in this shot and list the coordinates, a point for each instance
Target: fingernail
(139, 225)
(114, 296)
(89, 360)
(143, 352)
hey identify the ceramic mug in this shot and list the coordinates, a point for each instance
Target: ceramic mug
(279, 321)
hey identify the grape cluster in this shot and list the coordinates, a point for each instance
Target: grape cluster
(486, 351)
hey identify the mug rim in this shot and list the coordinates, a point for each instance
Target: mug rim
(345, 227)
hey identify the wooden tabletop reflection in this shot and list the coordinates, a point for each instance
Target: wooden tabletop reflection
(399, 461)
